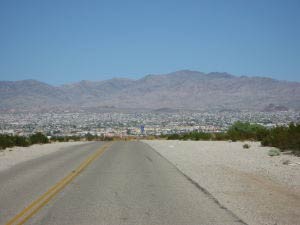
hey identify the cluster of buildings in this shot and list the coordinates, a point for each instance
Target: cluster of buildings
(121, 124)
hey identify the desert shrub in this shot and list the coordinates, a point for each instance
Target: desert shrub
(246, 131)
(58, 138)
(90, 137)
(284, 138)
(6, 141)
(65, 138)
(220, 136)
(246, 146)
(21, 141)
(107, 139)
(173, 137)
(200, 136)
(163, 136)
(38, 138)
(274, 152)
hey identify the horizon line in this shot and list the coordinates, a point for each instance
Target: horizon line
(154, 74)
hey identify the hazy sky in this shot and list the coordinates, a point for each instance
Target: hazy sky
(60, 41)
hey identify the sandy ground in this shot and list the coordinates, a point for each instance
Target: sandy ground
(256, 187)
(12, 156)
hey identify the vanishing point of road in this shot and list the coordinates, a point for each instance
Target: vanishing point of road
(105, 183)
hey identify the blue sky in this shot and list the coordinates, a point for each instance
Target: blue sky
(59, 41)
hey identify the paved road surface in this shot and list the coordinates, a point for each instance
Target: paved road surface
(128, 184)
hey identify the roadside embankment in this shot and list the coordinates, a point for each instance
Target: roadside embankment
(12, 156)
(258, 188)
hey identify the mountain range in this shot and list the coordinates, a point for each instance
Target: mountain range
(185, 89)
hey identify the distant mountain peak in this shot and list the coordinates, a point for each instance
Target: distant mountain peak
(186, 72)
(183, 89)
(220, 75)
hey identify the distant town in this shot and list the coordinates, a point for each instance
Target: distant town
(112, 124)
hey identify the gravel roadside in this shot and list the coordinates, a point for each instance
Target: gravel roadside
(12, 156)
(258, 188)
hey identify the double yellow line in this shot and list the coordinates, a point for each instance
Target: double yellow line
(35, 206)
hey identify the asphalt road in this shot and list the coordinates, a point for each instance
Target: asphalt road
(127, 184)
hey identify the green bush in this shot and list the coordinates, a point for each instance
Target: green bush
(6, 141)
(38, 138)
(200, 136)
(220, 136)
(91, 137)
(247, 131)
(284, 138)
(173, 137)
(21, 141)
(65, 138)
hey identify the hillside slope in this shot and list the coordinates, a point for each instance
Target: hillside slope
(182, 89)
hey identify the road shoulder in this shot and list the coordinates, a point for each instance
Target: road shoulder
(257, 188)
(13, 156)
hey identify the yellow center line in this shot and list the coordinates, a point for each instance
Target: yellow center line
(36, 205)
